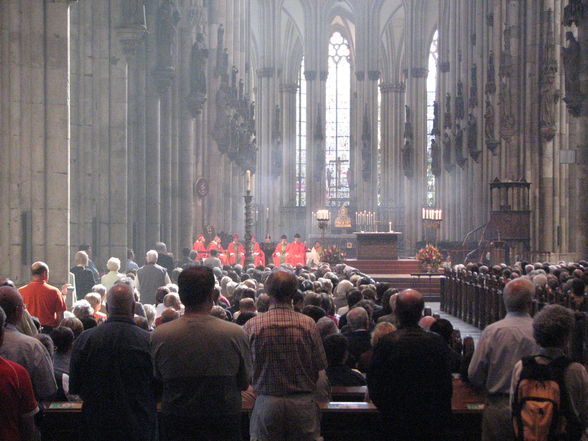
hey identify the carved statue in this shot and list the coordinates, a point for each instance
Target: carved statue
(366, 152)
(459, 102)
(473, 102)
(507, 117)
(447, 115)
(408, 134)
(198, 65)
(435, 158)
(276, 143)
(220, 68)
(549, 95)
(571, 60)
(435, 130)
(167, 19)
(460, 158)
(506, 63)
(490, 88)
(489, 120)
(573, 12)
(447, 151)
(133, 13)
(473, 137)
(407, 160)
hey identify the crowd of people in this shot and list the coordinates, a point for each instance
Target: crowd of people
(202, 338)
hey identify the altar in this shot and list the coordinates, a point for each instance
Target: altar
(377, 245)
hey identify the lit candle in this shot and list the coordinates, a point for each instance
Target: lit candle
(390, 227)
(267, 212)
(248, 180)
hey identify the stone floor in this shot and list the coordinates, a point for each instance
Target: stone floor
(465, 328)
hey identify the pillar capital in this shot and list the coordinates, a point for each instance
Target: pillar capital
(289, 88)
(266, 72)
(398, 87)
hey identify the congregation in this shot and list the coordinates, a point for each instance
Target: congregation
(201, 338)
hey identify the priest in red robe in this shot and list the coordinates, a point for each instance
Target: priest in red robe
(215, 244)
(296, 252)
(279, 256)
(236, 251)
(200, 247)
(258, 254)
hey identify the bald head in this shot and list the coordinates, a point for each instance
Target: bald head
(39, 270)
(12, 304)
(282, 285)
(357, 318)
(120, 301)
(517, 294)
(409, 307)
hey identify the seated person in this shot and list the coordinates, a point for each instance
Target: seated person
(444, 328)
(338, 372)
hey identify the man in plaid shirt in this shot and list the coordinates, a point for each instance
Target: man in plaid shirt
(287, 357)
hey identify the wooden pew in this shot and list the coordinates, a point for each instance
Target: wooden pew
(340, 420)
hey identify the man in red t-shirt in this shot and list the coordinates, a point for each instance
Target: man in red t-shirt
(43, 300)
(17, 401)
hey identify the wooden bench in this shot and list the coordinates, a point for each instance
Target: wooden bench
(341, 420)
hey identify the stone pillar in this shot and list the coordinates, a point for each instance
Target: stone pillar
(57, 140)
(578, 128)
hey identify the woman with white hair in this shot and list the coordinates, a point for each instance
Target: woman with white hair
(112, 276)
(84, 279)
(343, 287)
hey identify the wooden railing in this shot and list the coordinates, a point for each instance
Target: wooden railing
(477, 298)
(350, 419)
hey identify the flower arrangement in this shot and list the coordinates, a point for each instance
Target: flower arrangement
(429, 257)
(332, 254)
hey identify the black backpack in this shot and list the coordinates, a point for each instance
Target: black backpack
(541, 408)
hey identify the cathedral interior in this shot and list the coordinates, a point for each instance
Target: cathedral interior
(127, 122)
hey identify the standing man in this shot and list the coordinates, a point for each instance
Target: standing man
(236, 251)
(24, 350)
(296, 252)
(200, 247)
(150, 277)
(287, 357)
(409, 378)
(204, 363)
(17, 401)
(501, 345)
(91, 265)
(281, 251)
(111, 370)
(43, 300)
(163, 257)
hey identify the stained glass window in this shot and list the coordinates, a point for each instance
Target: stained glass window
(431, 96)
(337, 121)
(301, 139)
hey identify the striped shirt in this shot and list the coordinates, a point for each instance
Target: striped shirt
(287, 352)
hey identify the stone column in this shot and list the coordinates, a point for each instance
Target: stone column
(131, 35)
(578, 127)
(57, 139)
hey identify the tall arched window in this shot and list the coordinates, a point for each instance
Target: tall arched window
(431, 96)
(301, 139)
(338, 109)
